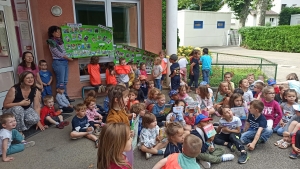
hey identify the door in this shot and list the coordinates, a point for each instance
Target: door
(7, 79)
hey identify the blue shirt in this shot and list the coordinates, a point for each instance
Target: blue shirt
(140, 126)
(206, 62)
(171, 102)
(196, 67)
(106, 104)
(258, 122)
(45, 76)
(80, 124)
(172, 148)
(157, 109)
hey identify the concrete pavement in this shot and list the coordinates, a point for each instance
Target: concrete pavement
(55, 150)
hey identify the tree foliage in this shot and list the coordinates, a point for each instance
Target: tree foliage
(202, 5)
(285, 15)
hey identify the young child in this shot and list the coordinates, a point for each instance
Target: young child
(8, 135)
(229, 133)
(279, 96)
(183, 93)
(137, 72)
(143, 69)
(258, 90)
(48, 115)
(223, 93)
(164, 65)
(81, 126)
(227, 77)
(256, 130)
(236, 100)
(114, 139)
(140, 110)
(94, 118)
(204, 99)
(63, 102)
(175, 133)
(272, 82)
(137, 87)
(174, 72)
(150, 141)
(157, 72)
(94, 72)
(194, 69)
(106, 99)
(182, 61)
(293, 82)
(289, 99)
(151, 98)
(295, 145)
(122, 71)
(132, 98)
(248, 95)
(206, 61)
(272, 110)
(187, 159)
(111, 74)
(175, 116)
(173, 94)
(150, 84)
(46, 77)
(250, 78)
(144, 85)
(158, 109)
(209, 154)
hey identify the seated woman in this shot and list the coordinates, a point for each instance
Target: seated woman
(27, 64)
(19, 101)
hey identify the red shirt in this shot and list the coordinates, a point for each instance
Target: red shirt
(276, 89)
(190, 121)
(110, 79)
(46, 111)
(94, 71)
(115, 166)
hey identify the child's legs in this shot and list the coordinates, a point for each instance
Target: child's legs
(196, 79)
(148, 150)
(192, 77)
(211, 111)
(214, 157)
(75, 134)
(205, 74)
(295, 128)
(235, 139)
(15, 148)
(16, 136)
(67, 109)
(266, 134)
(61, 118)
(158, 83)
(297, 139)
(248, 136)
(91, 137)
(221, 138)
(280, 131)
(161, 145)
(50, 120)
(276, 128)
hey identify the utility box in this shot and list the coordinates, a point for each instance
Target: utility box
(295, 19)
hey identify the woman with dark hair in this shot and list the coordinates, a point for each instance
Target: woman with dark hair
(23, 100)
(27, 64)
(60, 58)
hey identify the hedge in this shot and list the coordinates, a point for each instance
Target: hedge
(280, 38)
(285, 15)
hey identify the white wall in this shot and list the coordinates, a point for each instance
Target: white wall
(277, 4)
(295, 19)
(251, 20)
(275, 22)
(210, 35)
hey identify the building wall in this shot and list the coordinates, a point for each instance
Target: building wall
(275, 22)
(295, 19)
(277, 4)
(210, 35)
(42, 19)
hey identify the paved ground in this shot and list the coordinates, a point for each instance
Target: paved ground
(55, 150)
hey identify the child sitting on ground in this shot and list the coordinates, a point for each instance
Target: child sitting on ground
(8, 135)
(177, 116)
(158, 109)
(187, 159)
(137, 87)
(248, 95)
(94, 118)
(173, 94)
(175, 134)
(227, 77)
(140, 111)
(258, 90)
(208, 153)
(150, 85)
(182, 93)
(293, 82)
(63, 102)
(236, 100)
(223, 93)
(256, 130)
(272, 82)
(279, 96)
(150, 141)
(144, 85)
(295, 145)
(204, 99)
(151, 98)
(48, 115)
(46, 77)
(81, 126)
(132, 98)
(114, 139)
(229, 133)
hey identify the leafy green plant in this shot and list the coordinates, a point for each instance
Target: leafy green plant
(281, 38)
(285, 15)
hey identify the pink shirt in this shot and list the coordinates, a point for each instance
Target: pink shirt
(272, 111)
(143, 72)
(21, 70)
(91, 114)
(183, 97)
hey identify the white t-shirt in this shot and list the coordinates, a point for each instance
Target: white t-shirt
(4, 134)
(165, 60)
(157, 70)
(294, 84)
(182, 62)
(236, 122)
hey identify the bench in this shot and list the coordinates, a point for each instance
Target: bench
(84, 88)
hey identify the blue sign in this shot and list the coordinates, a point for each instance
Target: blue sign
(198, 24)
(220, 24)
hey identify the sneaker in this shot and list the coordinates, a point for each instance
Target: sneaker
(148, 155)
(227, 157)
(99, 89)
(103, 88)
(205, 164)
(66, 123)
(293, 156)
(243, 158)
(28, 143)
(60, 125)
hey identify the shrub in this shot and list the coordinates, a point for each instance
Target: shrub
(280, 38)
(285, 15)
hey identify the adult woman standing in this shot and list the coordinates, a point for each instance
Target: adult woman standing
(27, 64)
(19, 100)
(60, 58)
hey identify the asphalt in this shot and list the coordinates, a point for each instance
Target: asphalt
(54, 149)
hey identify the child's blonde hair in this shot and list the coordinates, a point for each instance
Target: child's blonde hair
(172, 129)
(47, 98)
(5, 116)
(89, 100)
(117, 92)
(292, 76)
(79, 107)
(220, 88)
(259, 85)
(192, 146)
(150, 82)
(152, 93)
(112, 142)
(148, 119)
(182, 87)
(265, 90)
(203, 92)
(137, 108)
(160, 96)
(158, 60)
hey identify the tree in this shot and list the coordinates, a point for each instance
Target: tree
(261, 7)
(202, 5)
(241, 9)
(285, 15)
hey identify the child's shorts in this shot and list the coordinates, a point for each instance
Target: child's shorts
(55, 118)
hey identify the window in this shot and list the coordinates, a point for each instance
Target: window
(271, 20)
(283, 6)
(123, 16)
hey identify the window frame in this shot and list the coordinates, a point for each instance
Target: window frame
(108, 20)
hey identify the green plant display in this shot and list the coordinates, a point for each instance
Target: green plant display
(285, 15)
(280, 38)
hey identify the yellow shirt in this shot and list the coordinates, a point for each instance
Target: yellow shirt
(117, 116)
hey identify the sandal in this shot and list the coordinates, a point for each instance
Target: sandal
(284, 145)
(279, 142)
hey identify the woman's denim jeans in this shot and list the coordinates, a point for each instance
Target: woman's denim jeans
(61, 69)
